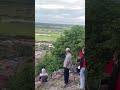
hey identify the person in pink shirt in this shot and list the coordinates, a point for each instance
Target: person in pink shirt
(82, 63)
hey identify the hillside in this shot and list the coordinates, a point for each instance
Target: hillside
(56, 82)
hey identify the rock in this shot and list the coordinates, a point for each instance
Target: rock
(57, 74)
(73, 69)
(73, 77)
(37, 84)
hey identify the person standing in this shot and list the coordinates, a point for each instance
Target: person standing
(115, 72)
(82, 63)
(67, 64)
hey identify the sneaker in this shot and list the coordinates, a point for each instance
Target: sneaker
(65, 85)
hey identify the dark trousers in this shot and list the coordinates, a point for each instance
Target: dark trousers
(66, 75)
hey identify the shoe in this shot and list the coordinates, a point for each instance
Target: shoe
(65, 85)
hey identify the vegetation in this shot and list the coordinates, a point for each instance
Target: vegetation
(73, 38)
(50, 38)
(102, 37)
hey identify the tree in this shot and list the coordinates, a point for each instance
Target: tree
(73, 39)
(102, 36)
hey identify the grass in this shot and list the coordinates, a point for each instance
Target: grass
(44, 38)
(53, 35)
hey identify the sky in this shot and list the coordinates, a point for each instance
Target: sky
(60, 11)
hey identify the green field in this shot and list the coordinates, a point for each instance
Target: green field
(50, 29)
(53, 37)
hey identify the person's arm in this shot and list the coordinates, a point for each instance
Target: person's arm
(67, 63)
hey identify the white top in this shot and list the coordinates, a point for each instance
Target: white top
(68, 58)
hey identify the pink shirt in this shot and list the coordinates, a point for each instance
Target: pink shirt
(84, 63)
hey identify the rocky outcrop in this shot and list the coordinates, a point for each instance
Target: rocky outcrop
(57, 74)
(56, 82)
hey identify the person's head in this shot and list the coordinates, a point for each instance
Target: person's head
(43, 70)
(68, 50)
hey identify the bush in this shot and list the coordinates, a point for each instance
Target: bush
(73, 38)
(49, 62)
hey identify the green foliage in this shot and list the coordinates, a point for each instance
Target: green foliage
(73, 38)
(49, 62)
(102, 36)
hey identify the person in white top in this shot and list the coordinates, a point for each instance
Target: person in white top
(67, 64)
(43, 75)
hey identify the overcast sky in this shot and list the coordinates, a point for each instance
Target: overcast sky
(60, 11)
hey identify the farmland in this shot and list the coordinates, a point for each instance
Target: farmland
(49, 32)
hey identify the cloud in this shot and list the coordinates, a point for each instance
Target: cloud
(60, 11)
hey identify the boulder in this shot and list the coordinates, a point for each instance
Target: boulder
(37, 84)
(57, 74)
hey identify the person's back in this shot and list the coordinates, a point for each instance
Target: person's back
(68, 58)
(67, 64)
(43, 76)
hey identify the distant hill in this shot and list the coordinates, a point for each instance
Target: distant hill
(54, 24)
(51, 25)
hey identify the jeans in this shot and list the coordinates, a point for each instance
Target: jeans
(66, 75)
(82, 78)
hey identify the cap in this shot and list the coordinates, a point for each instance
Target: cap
(67, 49)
